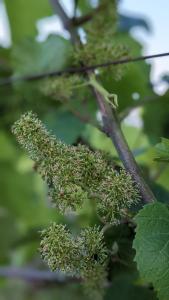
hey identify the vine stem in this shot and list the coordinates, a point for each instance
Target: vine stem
(113, 129)
(111, 124)
(36, 276)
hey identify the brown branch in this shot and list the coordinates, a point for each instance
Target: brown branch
(36, 276)
(78, 21)
(67, 22)
(112, 128)
(83, 69)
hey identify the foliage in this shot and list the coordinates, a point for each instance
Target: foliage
(157, 114)
(26, 15)
(123, 288)
(162, 150)
(89, 231)
(152, 246)
(28, 51)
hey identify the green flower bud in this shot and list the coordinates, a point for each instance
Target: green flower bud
(61, 88)
(83, 255)
(101, 43)
(60, 249)
(76, 174)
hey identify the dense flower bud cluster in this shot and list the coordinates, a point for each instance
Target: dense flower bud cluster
(101, 46)
(76, 174)
(73, 253)
(101, 43)
(116, 193)
(60, 250)
(83, 255)
(61, 88)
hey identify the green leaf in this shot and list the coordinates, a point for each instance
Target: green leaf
(64, 125)
(23, 291)
(163, 178)
(123, 288)
(22, 191)
(23, 16)
(160, 192)
(31, 57)
(84, 6)
(162, 150)
(8, 234)
(135, 137)
(155, 117)
(152, 246)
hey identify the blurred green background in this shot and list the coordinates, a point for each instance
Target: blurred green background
(24, 205)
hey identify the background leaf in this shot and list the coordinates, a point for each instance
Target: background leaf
(152, 246)
(23, 16)
(155, 117)
(64, 125)
(162, 150)
(127, 22)
(124, 288)
(52, 54)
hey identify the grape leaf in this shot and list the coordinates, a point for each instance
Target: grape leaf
(162, 150)
(8, 234)
(22, 191)
(64, 125)
(123, 287)
(84, 6)
(31, 57)
(152, 246)
(23, 15)
(155, 117)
